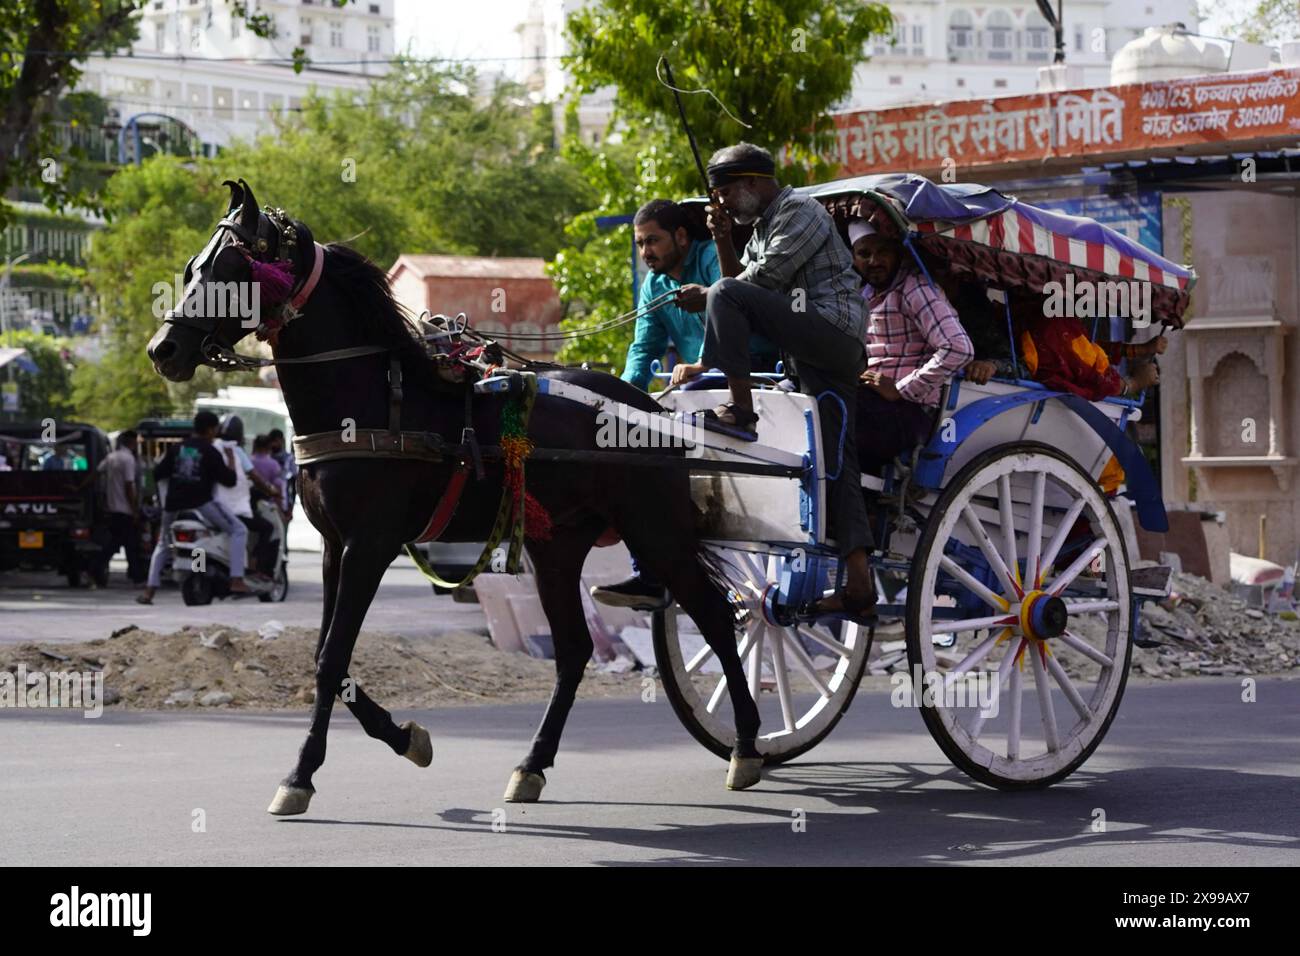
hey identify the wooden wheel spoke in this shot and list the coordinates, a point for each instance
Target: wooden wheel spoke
(1086, 607)
(1062, 531)
(1077, 566)
(716, 697)
(803, 662)
(1013, 726)
(782, 681)
(1045, 707)
(942, 626)
(825, 640)
(1035, 537)
(1007, 519)
(972, 584)
(978, 654)
(1086, 649)
(702, 655)
(756, 660)
(1067, 687)
(976, 528)
(1004, 672)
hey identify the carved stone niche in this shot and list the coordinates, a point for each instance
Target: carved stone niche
(1235, 361)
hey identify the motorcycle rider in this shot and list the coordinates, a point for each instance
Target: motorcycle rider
(238, 499)
(192, 468)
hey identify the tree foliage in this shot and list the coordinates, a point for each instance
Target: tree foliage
(47, 392)
(42, 46)
(416, 163)
(1263, 21)
(777, 65)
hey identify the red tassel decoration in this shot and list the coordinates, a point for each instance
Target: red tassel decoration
(274, 278)
(537, 520)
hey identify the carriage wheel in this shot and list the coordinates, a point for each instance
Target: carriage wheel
(1021, 506)
(803, 678)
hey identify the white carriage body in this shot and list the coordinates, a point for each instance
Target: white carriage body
(1053, 425)
(754, 510)
(1056, 426)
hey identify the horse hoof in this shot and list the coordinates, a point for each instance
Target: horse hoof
(524, 787)
(420, 750)
(290, 801)
(744, 772)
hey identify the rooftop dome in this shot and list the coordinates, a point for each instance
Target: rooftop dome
(1165, 53)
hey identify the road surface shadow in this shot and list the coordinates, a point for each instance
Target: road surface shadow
(927, 814)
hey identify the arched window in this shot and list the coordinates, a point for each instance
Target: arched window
(999, 37)
(1038, 38)
(961, 35)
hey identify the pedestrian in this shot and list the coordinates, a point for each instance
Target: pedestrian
(122, 503)
(288, 469)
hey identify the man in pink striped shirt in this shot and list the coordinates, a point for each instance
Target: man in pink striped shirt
(915, 343)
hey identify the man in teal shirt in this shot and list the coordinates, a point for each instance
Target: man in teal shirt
(674, 260)
(662, 234)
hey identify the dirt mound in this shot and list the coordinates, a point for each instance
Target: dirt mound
(229, 668)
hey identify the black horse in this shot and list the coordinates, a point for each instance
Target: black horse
(367, 508)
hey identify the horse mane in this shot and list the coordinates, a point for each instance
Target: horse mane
(382, 319)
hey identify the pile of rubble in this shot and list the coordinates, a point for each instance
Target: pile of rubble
(1202, 629)
(272, 669)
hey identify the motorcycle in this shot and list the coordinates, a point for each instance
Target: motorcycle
(201, 558)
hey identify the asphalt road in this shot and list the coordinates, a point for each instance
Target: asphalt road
(40, 606)
(1188, 776)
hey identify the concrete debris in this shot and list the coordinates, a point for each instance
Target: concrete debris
(215, 641)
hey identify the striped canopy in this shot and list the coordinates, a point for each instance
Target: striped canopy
(976, 230)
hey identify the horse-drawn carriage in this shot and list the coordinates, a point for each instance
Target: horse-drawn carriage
(997, 550)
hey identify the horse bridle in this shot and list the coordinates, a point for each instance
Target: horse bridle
(224, 357)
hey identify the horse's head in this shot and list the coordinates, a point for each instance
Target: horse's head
(248, 268)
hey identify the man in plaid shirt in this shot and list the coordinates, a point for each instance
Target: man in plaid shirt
(794, 285)
(915, 342)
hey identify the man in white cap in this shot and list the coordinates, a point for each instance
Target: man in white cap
(915, 342)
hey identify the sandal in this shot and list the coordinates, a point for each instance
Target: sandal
(856, 610)
(731, 419)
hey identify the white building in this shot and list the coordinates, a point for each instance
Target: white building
(541, 44)
(939, 50)
(963, 49)
(195, 60)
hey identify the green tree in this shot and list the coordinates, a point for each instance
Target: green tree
(1263, 21)
(48, 391)
(42, 44)
(417, 163)
(776, 65)
(161, 213)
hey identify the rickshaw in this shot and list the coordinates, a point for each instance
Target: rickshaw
(51, 515)
(998, 552)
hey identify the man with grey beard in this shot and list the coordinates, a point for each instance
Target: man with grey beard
(794, 284)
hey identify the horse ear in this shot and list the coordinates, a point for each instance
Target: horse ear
(248, 216)
(236, 193)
